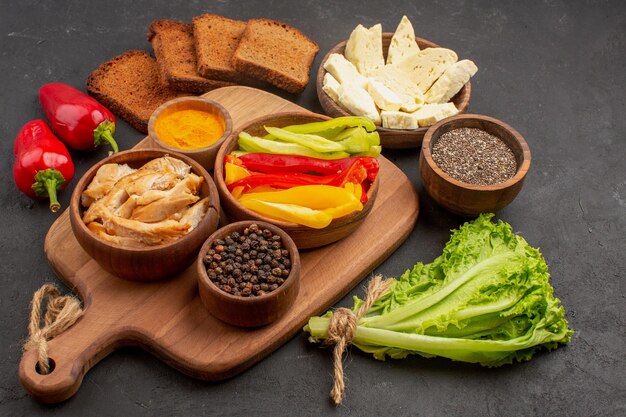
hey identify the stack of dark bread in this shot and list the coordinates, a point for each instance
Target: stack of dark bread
(193, 58)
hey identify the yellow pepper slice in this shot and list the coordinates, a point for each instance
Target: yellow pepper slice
(355, 189)
(344, 209)
(316, 197)
(316, 219)
(234, 173)
(237, 191)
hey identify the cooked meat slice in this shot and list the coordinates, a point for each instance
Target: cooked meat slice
(152, 181)
(134, 184)
(167, 163)
(195, 213)
(126, 209)
(106, 176)
(163, 208)
(147, 233)
(100, 231)
(112, 201)
(189, 185)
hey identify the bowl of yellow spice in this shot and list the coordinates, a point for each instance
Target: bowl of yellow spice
(193, 126)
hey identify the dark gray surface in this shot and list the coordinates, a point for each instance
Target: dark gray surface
(554, 70)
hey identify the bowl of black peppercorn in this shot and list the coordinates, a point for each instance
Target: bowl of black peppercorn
(248, 273)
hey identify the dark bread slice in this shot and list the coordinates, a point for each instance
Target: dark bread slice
(277, 53)
(129, 86)
(216, 38)
(175, 53)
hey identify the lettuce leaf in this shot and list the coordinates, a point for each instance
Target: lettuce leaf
(487, 299)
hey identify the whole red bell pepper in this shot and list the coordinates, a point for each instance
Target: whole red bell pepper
(78, 119)
(42, 165)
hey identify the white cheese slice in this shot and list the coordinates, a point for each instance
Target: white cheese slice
(384, 98)
(425, 67)
(399, 120)
(451, 82)
(410, 106)
(395, 80)
(331, 86)
(376, 32)
(358, 102)
(365, 49)
(430, 114)
(343, 70)
(403, 42)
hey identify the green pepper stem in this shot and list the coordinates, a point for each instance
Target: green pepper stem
(47, 183)
(104, 134)
(51, 188)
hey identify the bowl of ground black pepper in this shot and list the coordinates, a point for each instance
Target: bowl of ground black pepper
(248, 273)
(472, 164)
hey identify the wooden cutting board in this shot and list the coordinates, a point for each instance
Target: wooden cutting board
(168, 318)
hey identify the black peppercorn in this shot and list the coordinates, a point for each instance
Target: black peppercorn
(249, 263)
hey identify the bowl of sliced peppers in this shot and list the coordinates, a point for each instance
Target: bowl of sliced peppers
(312, 176)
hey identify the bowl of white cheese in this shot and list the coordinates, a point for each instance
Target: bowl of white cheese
(402, 83)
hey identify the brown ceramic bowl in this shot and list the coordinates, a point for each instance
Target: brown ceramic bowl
(249, 311)
(205, 156)
(305, 237)
(468, 199)
(389, 138)
(152, 262)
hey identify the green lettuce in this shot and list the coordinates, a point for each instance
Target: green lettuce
(487, 299)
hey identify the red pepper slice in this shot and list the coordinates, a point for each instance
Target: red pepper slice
(355, 173)
(371, 165)
(283, 164)
(42, 165)
(79, 120)
(281, 181)
(233, 160)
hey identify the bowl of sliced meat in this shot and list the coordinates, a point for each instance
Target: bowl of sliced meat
(143, 214)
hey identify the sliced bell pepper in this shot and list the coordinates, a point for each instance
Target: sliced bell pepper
(316, 197)
(237, 192)
(281, 164)
(233, 173)
(254, 144)
(347, 121)
(329, 134)
(356, 189)
(355, 173)
(306, 204)
(237, 154)
(371, 165)
(263, 189)
(314, 142)
(354, 140)
(374, 152)
(373, 138)
(282, 181)
(344, 209)
(233, 159)
(316, 219)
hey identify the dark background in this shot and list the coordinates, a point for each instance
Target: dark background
(554, 70)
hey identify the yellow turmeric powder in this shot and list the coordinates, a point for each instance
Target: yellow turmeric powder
(189, 129)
